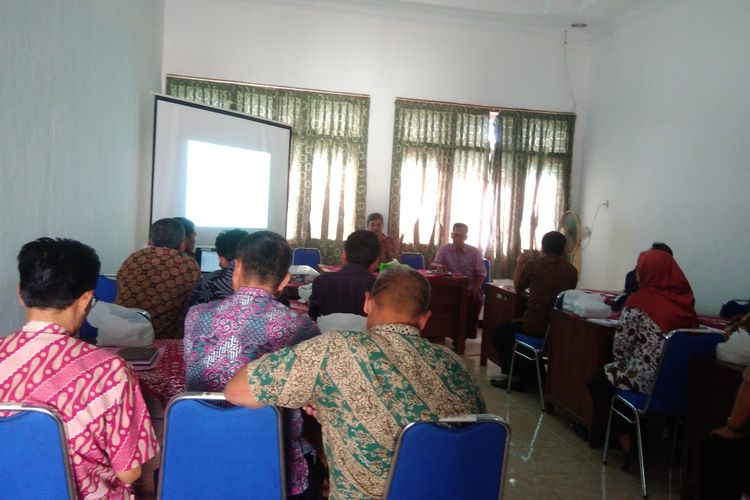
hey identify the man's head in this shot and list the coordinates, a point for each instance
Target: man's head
(189, 233)
(399, 295)
(658, 245)
(168, 233)
(553, 243)
(362, 248)
(226, 245)
(58, 274)
(458, 234)
(375, 222)
(263, 260)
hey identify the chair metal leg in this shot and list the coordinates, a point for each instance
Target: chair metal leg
(609, 427)
(510, 373)
(640, 454)
(674, 440)
(539, 379)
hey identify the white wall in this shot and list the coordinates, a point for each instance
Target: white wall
(667, 144)
(376, 54)
(75, 127)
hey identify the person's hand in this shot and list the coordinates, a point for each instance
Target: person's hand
(523, 258)
(310, 410)
(476, 291)
(438, 267)
(726, 433)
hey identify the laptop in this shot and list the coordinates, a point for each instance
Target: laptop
(209, 261)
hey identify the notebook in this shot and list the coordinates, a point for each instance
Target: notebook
(138, 356)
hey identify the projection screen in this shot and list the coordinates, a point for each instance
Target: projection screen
(218, 168)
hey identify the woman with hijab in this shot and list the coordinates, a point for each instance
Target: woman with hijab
(663, 302)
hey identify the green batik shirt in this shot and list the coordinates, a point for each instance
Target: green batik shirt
(366, 387)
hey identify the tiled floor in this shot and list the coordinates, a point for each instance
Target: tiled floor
(546, 460)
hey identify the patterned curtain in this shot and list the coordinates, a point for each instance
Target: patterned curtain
(446, 171)
(327, 178)
(531, 170)
(439, 174)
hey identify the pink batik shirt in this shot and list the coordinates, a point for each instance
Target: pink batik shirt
(95, 393)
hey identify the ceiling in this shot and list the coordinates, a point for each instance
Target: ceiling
(529, 13)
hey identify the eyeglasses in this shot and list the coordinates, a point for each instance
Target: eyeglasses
(92, 303)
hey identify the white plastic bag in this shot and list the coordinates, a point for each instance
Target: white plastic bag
(736, 349)
(120, 326)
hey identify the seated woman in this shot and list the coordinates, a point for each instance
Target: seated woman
(663, 303)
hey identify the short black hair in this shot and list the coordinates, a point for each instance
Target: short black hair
(460, 225)
(55, 272)
(167, 233)
(265, 256)
(554, 243)
(362, 247)
(658, 245)
(374, 216)
(227, 241)
(402, 288)
(187, 224)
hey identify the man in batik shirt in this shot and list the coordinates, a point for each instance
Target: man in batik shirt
(366, 386)
(95, 392)
(159, 278)
(223, 335)
(218, 284)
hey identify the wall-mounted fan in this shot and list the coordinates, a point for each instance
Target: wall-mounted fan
(575, 234)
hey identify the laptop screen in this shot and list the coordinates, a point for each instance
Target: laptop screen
(209, 261)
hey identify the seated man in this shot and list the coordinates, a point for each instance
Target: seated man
(466, 260)
(190, 235)
(545, 278)
(344, 291)
(96, 394)
(365, 386)
(159, 278)
(389, 248)
(223, 335)
(218, 284)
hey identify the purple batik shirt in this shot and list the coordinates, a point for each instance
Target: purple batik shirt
(223, 335)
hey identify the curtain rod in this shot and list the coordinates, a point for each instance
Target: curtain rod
(489, 108)
(276, 87)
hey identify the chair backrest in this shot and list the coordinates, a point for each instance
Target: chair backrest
(215, 450)
(413, 259)
(433, 460)
(342, 321)
(306, 257)
(486, 275)
(671, 382)
(106, 289)
(34, 460)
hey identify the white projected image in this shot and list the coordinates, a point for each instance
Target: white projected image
(227, 186)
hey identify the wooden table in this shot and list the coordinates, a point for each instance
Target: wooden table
(713, 387)
(577, 349)
(448, 299)
(501, 305)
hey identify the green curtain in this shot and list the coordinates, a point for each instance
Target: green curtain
(435, 147)
(327, 178)
(531, 171)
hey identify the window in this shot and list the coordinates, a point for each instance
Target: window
(328, 159)
(506, 174)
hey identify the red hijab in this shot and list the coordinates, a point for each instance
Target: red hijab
(664, 293)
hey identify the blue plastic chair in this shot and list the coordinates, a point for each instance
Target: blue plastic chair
(437, 460)
(486, 275)
(306, 257)
(215, 450)
(106, 289)
(413, 259)
(34, 461)
(668, 396)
